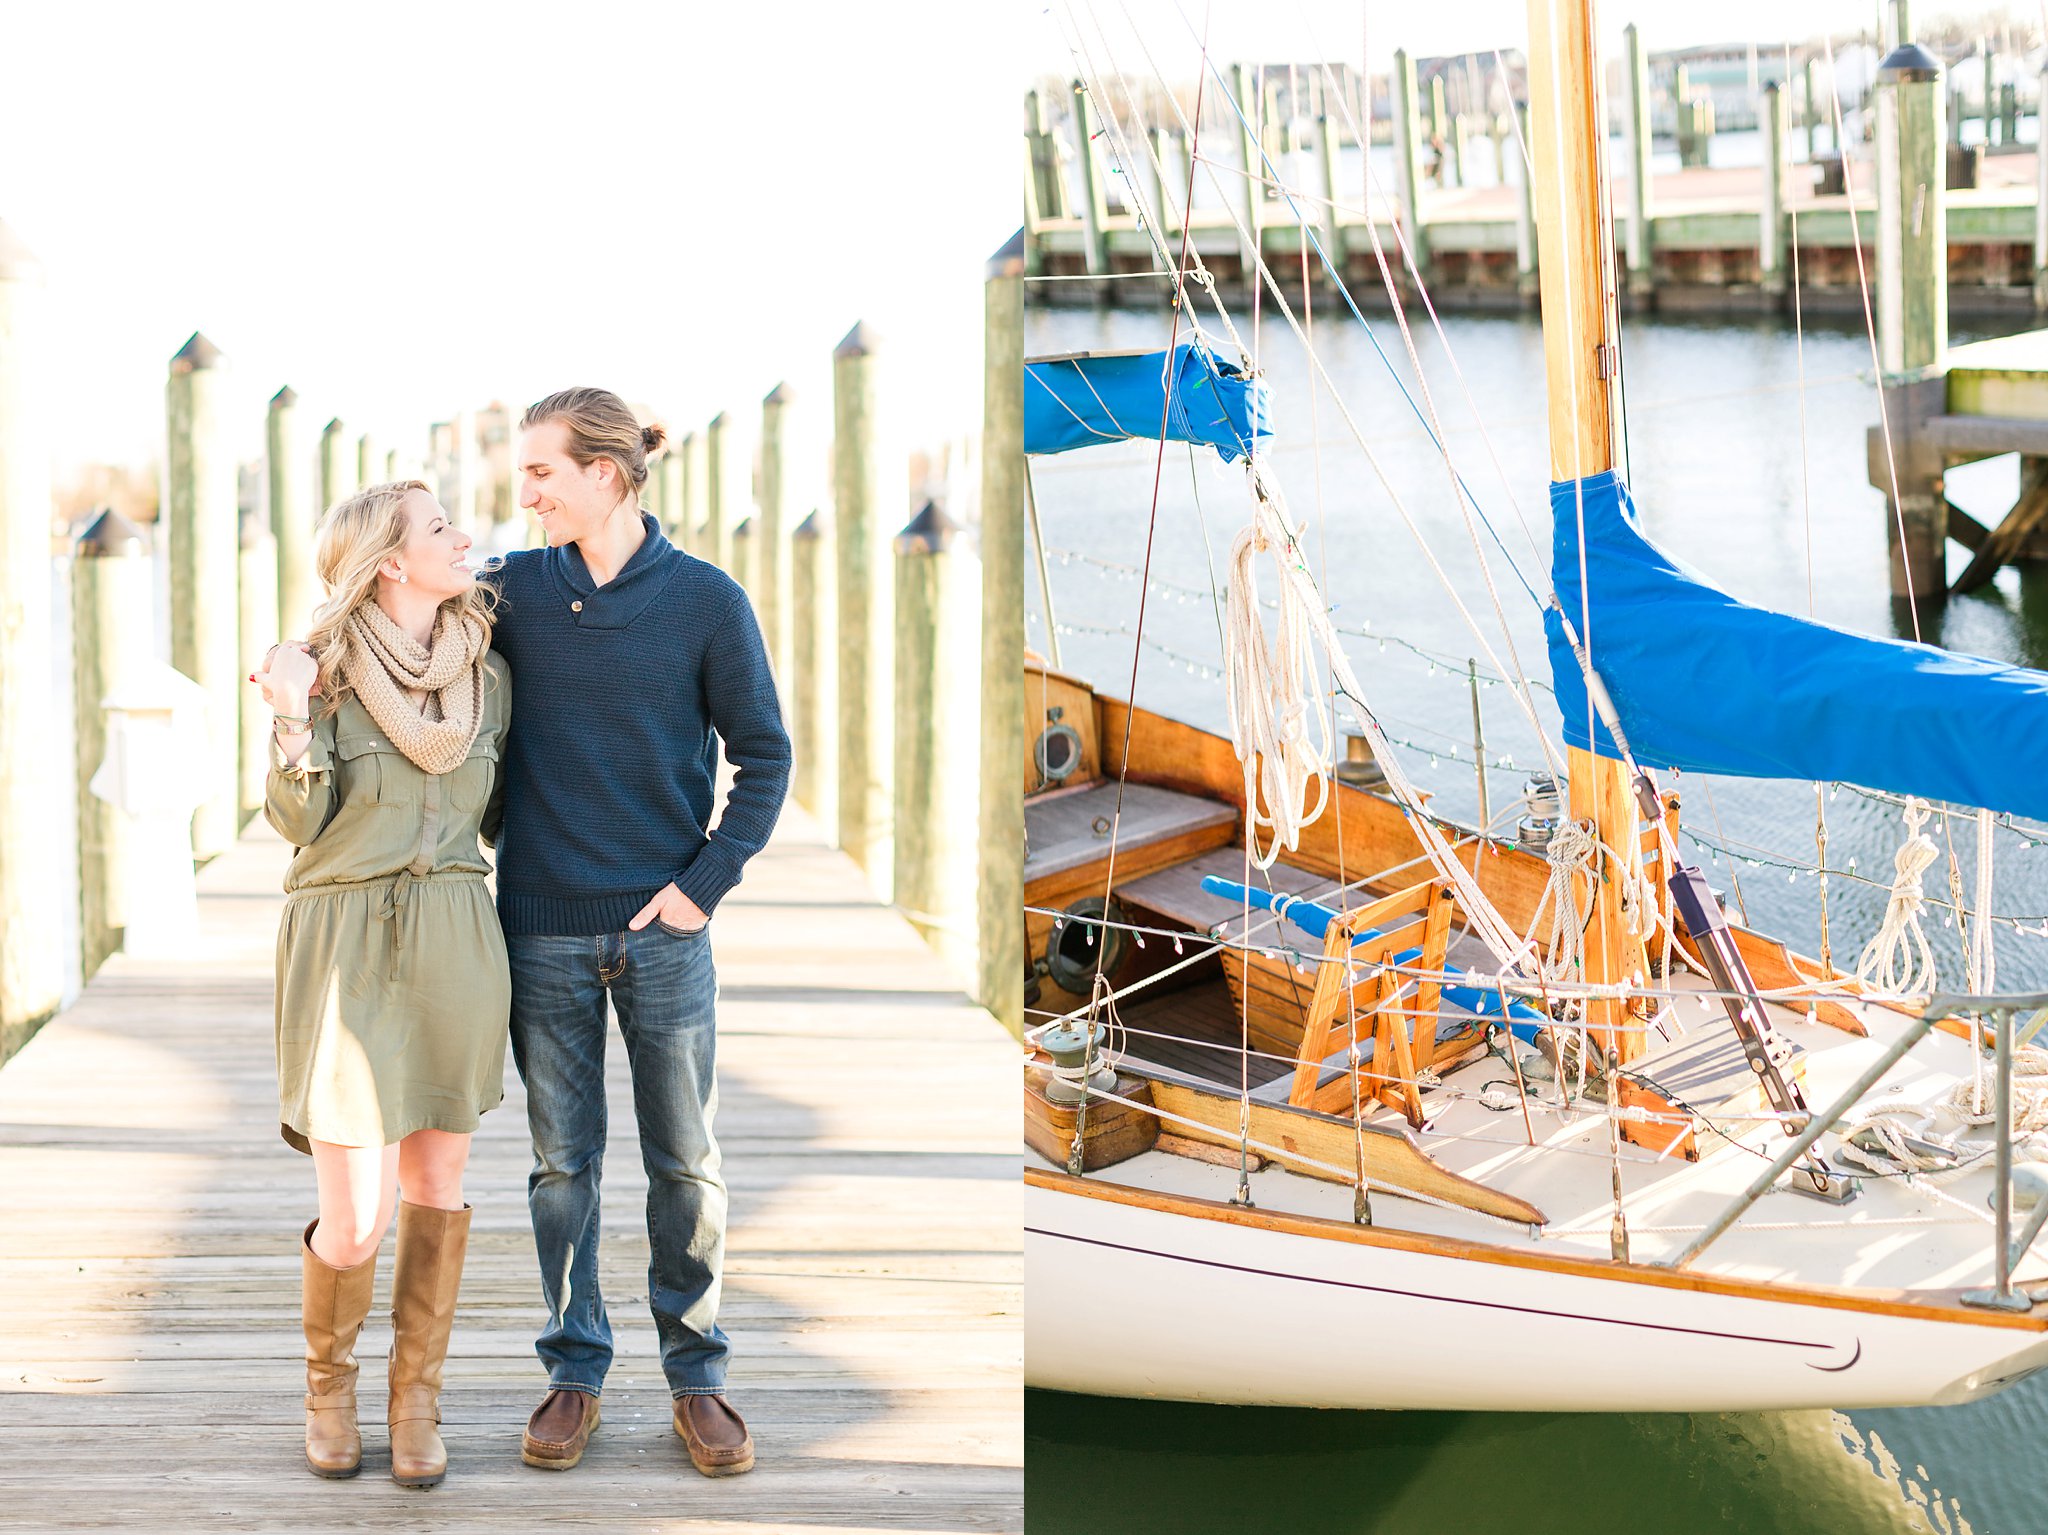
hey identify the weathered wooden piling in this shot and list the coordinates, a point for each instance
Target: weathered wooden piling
(771, 554)
(205, 554)
(742, 569)
(866, 612)
(1251, 201)
(461, 484)
(718, 512)
(1695, 121)
(1527, 282)
(335, 480)
(814, 639)
(258, 630)
(668, 475)
(1812, 103)
(2041, 204)
(1407, 161)
(696, 493)
(1042, 158)
(1990, 113)
(291, 520)
(1170, 175)
(1094, 191)
(1771, 245)
(1444, 138)
(999, 923)
(112, 602)
(1331, 230)
(1635, 138)
(369, 462)
(937, 763)
(1912, 312)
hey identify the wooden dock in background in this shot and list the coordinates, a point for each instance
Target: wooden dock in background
(149, 1216)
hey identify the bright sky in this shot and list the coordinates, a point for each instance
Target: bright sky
(403, 209)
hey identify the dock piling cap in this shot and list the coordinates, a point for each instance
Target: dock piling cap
(779, 395)
(859, 341)
(1908, 64)
(1009, 261)
(811, 527)
(284, 398)
(931, 531)
(110, 534)
(196, 355)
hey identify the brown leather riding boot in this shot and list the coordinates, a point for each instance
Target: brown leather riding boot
(332, 1305)
(431, 1247)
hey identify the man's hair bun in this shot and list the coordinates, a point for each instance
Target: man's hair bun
(652, 437)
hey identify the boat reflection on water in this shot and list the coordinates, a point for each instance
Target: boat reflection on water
(1097, 1464)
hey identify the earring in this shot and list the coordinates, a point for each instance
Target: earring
(403, 578)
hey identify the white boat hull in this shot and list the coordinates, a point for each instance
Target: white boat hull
(1129, 1300)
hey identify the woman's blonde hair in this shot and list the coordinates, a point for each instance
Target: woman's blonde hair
(601, 425)
(356, 536)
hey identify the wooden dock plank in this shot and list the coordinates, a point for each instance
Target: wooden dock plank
(149, 1374)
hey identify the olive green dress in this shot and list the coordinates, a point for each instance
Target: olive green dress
(393, 997)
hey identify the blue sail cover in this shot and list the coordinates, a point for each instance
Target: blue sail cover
(1709, 684)
(1082, 402)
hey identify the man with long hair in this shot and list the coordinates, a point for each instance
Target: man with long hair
(631, 662)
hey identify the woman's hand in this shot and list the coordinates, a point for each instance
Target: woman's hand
(289, 677)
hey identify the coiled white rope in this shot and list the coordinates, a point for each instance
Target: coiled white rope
(1572, 851)
(1272, 694)
(1898, 959)
(1254, 673)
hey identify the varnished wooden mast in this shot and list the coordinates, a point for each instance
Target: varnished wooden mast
(1575, 269)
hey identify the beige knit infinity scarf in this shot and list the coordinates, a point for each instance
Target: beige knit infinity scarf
(427, 699)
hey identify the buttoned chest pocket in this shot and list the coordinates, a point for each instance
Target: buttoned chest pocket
(469, 786)
(374, 772)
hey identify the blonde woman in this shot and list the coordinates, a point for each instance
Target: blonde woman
(392, 990)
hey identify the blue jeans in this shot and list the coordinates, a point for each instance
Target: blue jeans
(663, 987)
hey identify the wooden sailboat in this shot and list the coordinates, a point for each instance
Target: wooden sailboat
(1271, 1169)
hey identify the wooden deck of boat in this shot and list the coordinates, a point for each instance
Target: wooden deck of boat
(149, 1216)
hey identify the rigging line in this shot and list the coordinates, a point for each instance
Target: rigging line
(1479, 635)
(1820, 801)
(1524, 695)
(1371, 335)
(1507, 945)
(1431, 422)
(1884, 419)
(1151, 530)
(1031, 372)
(1354, 1062)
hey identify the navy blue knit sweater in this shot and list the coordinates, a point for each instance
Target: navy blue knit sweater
(608, 772)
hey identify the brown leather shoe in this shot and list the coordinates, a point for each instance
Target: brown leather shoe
(332, 1305)
(559, 1429)
(717, 1436)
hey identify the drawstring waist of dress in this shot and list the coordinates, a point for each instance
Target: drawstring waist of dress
(392, 899)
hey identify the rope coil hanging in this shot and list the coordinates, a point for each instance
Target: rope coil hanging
(1898, 961)
(1272, 694)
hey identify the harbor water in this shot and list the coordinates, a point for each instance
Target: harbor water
(1759, 481)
